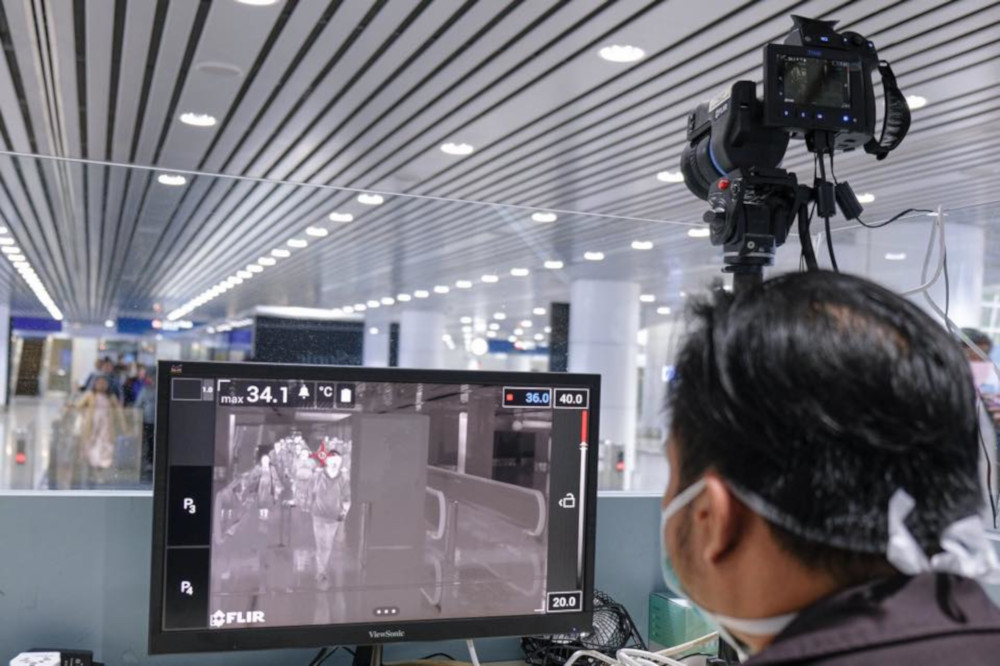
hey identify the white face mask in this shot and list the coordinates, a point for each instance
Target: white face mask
(984, 374)
(768, 626)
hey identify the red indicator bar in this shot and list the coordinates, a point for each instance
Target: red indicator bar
(584, 426)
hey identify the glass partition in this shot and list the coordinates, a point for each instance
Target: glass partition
(111, 268)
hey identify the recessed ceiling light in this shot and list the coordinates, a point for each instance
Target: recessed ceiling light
(317, 232)
(466, 329)
(457, 149)
(527, 323)
(109, 323)
(538, 312)
(544, 217)
(3, 230)
(266, 261)
(21, 264)
(499, 316)
(254, 268)
(466, 320)
(340, 217)
(370, 199)
(298, 243)
(16, 258)
(236, 279)
(670, 177)
(172, 179)
(520, 272)
(441, 289)
(700, 232)
(198, 119)
(10, 249)
(372, 304)
(663, 310)
(490, 278)
(642, 245)
(360, 307)
(257, 3)
(553, 265)
(895, 256)
(463, 284)
(281, 254)
(548, 329)
(491, 334)
(621, 53)
(421, 293)
(494, 326)
(348, 309)
(916, 102)
(403, 298)
(373, 330)
(594, 256)
(246, 275)
(518, 331)
(6, 241)
(512, 338)
(647, 298)
(388, 300)
(539, 337)
(866, 198)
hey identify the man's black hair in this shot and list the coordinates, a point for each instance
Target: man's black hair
(823, 394)
(978, 338)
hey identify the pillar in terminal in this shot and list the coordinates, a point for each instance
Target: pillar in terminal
(603, 327)
(421, 334)
(375, 352)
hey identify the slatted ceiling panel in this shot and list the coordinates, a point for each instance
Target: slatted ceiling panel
(574, 138)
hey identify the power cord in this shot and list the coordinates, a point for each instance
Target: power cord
(438, 654)
(826, 218)
(879, 225)
(323, 655)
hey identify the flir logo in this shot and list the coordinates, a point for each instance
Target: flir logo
(390, 633)
(221, 619)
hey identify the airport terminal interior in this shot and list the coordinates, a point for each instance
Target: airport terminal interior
(491, 185)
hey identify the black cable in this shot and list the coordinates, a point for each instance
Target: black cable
(320, 655)
(989, 465)
(695, 654)
(833, 174)
(826, 218)
(332, 652)
(438, 654)
(351, 652)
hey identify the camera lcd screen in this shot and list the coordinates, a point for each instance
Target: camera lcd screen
(295, 501)
(815, 81)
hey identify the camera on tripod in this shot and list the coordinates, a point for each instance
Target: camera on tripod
(817, 87)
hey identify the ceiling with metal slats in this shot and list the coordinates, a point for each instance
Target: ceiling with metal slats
(317, 101)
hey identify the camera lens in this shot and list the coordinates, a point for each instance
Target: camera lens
(698, 168)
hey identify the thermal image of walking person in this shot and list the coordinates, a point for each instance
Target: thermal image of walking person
(265, 483)
(329, 500)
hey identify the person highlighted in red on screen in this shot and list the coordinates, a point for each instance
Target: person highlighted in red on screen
(329, 500)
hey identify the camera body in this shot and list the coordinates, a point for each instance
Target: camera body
(817, 87)
(820, 80)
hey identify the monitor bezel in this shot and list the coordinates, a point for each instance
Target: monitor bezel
(211, 640)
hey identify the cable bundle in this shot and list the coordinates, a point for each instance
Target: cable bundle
(613, 630)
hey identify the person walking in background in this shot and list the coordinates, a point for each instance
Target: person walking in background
(329, 502)
(145, 401)
(134, 386)
(264, 483)
(100, 422)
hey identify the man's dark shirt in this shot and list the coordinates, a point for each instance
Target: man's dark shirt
(929, 620)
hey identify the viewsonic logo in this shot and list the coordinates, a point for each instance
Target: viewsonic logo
(389, 633)
(221, 619)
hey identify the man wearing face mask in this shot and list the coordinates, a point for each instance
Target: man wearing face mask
(824, 503)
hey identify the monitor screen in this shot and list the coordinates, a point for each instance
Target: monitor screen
(815, 81)
(311, 505)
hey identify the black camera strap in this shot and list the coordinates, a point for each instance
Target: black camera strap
(896, 121)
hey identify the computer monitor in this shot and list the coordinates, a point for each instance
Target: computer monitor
(312, 505)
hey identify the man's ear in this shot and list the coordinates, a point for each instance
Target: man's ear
(722, 517)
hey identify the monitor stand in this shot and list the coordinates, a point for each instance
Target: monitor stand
(367, 655)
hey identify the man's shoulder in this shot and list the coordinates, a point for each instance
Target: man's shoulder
(898, 620)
